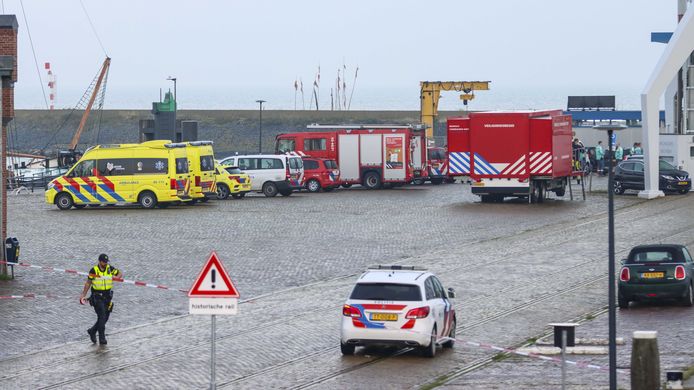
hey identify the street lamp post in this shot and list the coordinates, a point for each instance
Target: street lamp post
(610, 128)
(260, 126)
(175, 107)
(174, 81)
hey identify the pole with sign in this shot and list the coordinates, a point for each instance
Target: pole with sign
(213, 294)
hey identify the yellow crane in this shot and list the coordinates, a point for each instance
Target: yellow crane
(431, 92)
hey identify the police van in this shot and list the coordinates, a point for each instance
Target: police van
(270, 173)
(153, 173)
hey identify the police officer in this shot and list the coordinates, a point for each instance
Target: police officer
(100, 280)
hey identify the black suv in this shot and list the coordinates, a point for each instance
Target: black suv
(628, 175)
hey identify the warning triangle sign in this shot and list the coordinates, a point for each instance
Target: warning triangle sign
(213, 281)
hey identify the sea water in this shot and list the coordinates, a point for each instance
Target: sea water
(406, 98)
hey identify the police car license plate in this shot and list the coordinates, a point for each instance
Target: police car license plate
(683, 183)
(653, 275)
(384, 317)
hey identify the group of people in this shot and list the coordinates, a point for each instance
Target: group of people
(586, 159)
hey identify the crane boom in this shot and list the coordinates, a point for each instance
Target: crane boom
(431, 92)
(87, 110)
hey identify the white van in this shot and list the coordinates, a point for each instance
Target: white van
(270, 173)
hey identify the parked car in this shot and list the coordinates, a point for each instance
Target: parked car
(628, 175)
(398, 305)
(231, 181)
(656, 272)
(321, 174)
(270, 173)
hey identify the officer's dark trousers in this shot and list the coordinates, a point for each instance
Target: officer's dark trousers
(101, 304)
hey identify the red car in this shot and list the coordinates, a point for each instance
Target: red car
(320, 173)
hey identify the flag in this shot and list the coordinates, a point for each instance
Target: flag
(302, 85)
(296, 84)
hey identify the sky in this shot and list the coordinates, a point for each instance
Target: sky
(227, 54)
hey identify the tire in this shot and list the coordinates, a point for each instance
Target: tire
(286, 192)
(561, 191)
(147, 200)
(346, 185)
(436, 181)
(270, 189)
(347, 349)
(64, 201)
(222, 191)
(372, 181)
(313, 185)
(688, 299)
(418, 182)
(618, 187)
(430, 350)
(450, 343)
(622, 301)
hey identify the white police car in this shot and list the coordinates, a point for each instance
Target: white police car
(398, 305)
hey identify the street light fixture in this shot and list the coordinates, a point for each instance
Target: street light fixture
(611, 128)
(260, 127)
(174, 81)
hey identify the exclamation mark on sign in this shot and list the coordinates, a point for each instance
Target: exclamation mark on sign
(214, 272)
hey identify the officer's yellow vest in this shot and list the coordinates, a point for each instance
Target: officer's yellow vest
(103, 280)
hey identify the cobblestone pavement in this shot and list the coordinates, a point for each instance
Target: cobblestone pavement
(515, 266)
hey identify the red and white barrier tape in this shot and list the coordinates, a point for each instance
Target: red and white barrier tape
(553, 359)
(115, 279)
(533, 355)
(35, 296)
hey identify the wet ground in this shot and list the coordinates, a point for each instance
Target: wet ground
(516, 268)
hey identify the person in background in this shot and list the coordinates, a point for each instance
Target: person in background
(600, 158)
(619, 153)
(636, 150)
(578, 154)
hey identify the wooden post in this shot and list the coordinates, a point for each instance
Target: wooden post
(645, 361)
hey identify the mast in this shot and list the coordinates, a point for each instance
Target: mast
(87, 110)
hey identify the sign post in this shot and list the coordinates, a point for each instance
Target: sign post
(213, 293)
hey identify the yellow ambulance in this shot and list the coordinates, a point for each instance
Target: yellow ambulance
(153, 173)
(201, 164)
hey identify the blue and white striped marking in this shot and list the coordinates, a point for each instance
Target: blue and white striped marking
(482, 167)
(459, 162)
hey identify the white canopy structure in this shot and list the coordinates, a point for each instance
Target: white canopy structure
(678, 49)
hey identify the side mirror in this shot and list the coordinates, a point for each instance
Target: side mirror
(451, 292)
(623, 261)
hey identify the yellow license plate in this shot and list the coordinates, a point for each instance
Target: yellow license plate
(683, 183)
(653, 275)
(384, 317)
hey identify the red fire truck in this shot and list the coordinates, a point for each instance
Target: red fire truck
(512, 154)
(370, 155)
